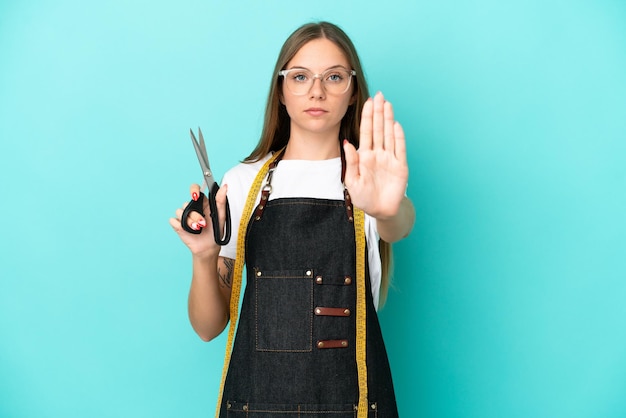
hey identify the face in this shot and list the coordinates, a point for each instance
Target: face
(317, 112)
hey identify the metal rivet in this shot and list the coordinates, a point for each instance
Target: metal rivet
(320, 344)
(257, 218)
(373, 406)
(346, 312)
(228, 405)
(259, 274)
(344, 343)
(309, 273)
(318, 280)
(263, 197)
(245, 407)
(350, 218)
(318, 311)
(261, 207)
(348, 280)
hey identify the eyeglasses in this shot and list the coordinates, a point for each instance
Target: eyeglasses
(335, 80)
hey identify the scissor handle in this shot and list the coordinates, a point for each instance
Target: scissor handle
(198, 206)
(215, 219)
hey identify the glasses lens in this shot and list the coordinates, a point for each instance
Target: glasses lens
(299, 81)
(335, 81)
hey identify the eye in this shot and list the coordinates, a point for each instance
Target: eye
(336, 77)
(300, 77)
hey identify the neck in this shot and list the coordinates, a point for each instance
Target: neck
(312, 147)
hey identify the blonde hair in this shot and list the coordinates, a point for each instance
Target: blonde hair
(276, 126)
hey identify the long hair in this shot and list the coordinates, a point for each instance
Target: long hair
(276, 126)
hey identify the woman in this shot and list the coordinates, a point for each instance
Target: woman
(308, 339)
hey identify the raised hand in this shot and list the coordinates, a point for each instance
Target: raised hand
(377, 173)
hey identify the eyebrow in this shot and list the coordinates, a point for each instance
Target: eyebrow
(297, 67)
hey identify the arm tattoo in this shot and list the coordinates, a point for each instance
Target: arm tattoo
(226, 276)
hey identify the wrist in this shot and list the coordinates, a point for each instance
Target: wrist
(206, 256)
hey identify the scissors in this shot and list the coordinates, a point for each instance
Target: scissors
(198, 205)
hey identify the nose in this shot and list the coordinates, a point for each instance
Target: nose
(317, 88)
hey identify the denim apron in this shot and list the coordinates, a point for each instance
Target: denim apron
(294, 351)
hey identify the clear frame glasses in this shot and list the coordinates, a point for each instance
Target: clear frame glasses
(334, 80)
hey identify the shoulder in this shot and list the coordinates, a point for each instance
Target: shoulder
(244, 171)
(240, 177)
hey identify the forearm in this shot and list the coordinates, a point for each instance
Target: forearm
(209, 296)
(396, 227)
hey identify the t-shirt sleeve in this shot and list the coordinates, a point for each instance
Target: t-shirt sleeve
(239, 180)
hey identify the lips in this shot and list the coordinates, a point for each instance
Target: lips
(315, 111)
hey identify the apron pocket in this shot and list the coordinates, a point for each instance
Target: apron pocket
(265, 410)
(284, 310)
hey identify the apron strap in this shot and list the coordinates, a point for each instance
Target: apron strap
(267, 188)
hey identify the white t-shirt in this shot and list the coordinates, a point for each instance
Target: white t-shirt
(319, 179)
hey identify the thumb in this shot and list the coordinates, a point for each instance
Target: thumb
(352, 162)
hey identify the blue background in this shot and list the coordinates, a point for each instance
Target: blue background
(509, 294)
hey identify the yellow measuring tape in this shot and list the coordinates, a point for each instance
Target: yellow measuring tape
(361, 325)
(359, 230)
(235, 291)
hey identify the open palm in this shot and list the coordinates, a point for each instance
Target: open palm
(377, 173)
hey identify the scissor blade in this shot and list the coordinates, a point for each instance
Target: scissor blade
(202, 158)
(202, 144)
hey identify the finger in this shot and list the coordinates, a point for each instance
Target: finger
(220, 202)
(220, 196)
(388, 142)
(175, 224)
(194, 220)
(352, 163)
(400, 142)
(365, 132)
(194, 191)
(378, 133)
